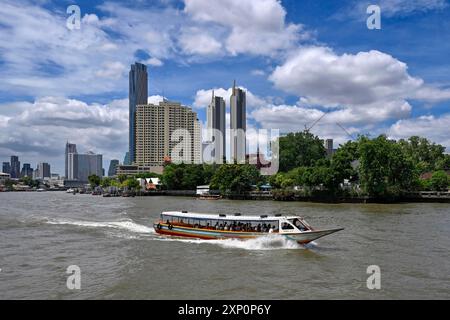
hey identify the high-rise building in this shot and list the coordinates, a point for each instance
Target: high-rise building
(126, 159)
(197, 157)
(112, 168)
(158, 134)
(81, 166)
(138, 95)
(70, 148)
(215, 125)
(6, 167)
(329, 147)
(15, 167)
(43, 170)
(27, 171)
(238, 124)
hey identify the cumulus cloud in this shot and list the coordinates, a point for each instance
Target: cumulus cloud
(154, 62)
(435, 128)
(38, 130)
(203, 97)
(252, 26)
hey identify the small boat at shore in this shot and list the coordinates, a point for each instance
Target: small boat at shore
(222, 226)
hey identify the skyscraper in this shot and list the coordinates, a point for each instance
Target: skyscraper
(81, 166)
(6, 167)
(70, 148)
(238, 124)
(43, 170)
(215, 124)
(27, 171)
(112, 168)
(155, 128)
(329, 147)
(15, 167)
(138, 95)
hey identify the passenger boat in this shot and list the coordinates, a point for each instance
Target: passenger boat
(223, 226)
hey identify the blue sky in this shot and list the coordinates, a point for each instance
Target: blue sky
(296, 59)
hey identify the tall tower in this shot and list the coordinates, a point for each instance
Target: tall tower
(15, 167)
(215, 119)
(70, 148)
(238, 124)
(138, 95)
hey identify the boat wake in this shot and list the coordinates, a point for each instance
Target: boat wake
(125, 225)
(134, 230)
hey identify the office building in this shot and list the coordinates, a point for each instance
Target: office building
(160, 135)
(138, 95)
(112, 168)
(126, 159)
(70, 148)
(27, 171)
(44, 170)
(329, 147)
(215, 125)
(81, 166)
(6, 167)
(15, 167)
(238, 125)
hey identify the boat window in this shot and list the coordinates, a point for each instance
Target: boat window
(286, 226)
(298, 224)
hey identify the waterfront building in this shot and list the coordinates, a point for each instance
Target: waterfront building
(215, 125)
(6, 167)
(42, 171)
(27, 171)
(15, 167)
(113, 167)
(138, 95)
(70, 148)
(238, 124)
(131, 170)
(3, 177)
(164, 129)
(81, 166)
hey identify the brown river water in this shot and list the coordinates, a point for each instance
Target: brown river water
(119, 256)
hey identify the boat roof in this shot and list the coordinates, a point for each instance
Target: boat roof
(232, 216)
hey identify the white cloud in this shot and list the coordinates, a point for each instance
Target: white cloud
(258, 72)
(154, 62)
(111, 70)
(38, 130)
(435, 128)
(203, 97)
(196, 41)
(254, 26)
(405, 7)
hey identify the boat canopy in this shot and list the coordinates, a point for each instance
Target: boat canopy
(227, 217)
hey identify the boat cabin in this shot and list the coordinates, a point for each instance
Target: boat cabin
(235, 222)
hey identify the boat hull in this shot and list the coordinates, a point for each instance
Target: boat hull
(209, 234)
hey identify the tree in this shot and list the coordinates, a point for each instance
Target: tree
(235, 178)
(300, 149)
(384, 167)
(440, 181)
(131, 184)
(425, 155)
(94, 180)
(106, 182)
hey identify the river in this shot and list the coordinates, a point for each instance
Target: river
(113, 243)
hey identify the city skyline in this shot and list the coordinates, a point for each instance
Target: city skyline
(293, 66)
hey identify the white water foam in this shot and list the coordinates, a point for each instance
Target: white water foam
(269, 242)
(127, 225)
(272, 242)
